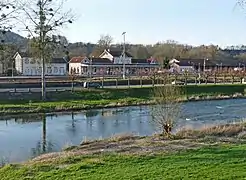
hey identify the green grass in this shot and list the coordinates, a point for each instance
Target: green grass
(223, 162)
(98, 98)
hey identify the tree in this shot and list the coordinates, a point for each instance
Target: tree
(42, 21)
(166, 63)
(6, 56)
(168, 108)
(142, 53)
(103, 43)
(7, 16)
(7, 11)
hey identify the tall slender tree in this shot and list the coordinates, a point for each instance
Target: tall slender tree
(44, 18)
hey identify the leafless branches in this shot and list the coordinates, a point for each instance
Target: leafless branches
(43, 19)
(167, 109)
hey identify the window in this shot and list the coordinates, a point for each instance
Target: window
(55, 69)
(49, 70)
(40, 70)
(27, 71)
(62, 71)
(78, 70)
(32, 61)
(26, 61)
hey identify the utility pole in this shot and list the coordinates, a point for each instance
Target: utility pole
(124, 54)
(91, 68)
(41, 36)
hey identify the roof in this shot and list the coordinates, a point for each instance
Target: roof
(195, 62)
(58, 60)
(117, 53)
(77, 59)
(140, 61)
(101, 61)
(212, 63)
(22, 54)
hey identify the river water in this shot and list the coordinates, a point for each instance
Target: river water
(25, 137)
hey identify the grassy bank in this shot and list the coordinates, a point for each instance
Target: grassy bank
(225, 162)
(99, 98)
(212, 153)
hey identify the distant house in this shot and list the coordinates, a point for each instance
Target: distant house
(180, 66)
(84, 66)
(110, 63)
(116, 56)
(192, 65)
(28, 66)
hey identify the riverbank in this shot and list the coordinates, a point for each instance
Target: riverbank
(214, 153)
(16, 103)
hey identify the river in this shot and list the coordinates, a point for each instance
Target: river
(27, 136)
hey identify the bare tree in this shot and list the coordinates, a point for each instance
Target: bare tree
(43, 20)
(7, 17)
(103, 43)
(7, 14)
(168, 107)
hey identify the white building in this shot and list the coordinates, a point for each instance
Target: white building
(117, 57)
(110, 63)
(181, 66)
(28, 66)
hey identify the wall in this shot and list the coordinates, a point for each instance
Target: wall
(18, 64)
(56, 69)
(108, 56)
(76, 66)
(119, 60)
(33, 68)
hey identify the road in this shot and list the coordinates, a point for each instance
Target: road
(60, 89)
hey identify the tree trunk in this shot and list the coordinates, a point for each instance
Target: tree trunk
(186, 80)
(103, 81)
(215, 79)
(44, 144)
(43, 79)
(72, 86)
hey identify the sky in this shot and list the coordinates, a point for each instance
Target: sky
(192, 22)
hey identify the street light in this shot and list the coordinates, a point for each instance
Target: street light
(124, 54)
(91, 67)
(204, 64)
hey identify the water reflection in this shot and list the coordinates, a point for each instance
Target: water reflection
(42, 146)
(30, 135)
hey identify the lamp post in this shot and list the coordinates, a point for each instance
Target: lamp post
(124, 54)
(91, 67)
(199, 72)
(204, 64)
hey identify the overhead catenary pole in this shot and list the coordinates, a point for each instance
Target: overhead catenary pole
(42, 36)
(124, 55)
(204, 64)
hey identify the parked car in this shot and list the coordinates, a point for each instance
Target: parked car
(91, 85)
(178, 83)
